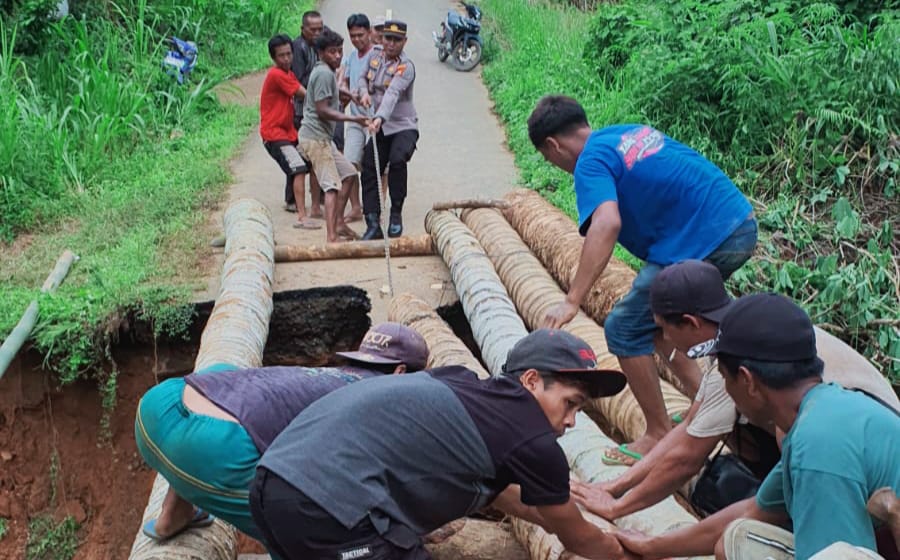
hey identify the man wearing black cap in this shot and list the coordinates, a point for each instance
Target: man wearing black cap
(387, 85)
(205, 432)
(689, 300)
(367, 471)
(839, 446)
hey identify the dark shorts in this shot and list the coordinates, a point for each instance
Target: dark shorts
(296, 528)
(629, 326)
(287, 156)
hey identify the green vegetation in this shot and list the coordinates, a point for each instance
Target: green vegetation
(796, 101)
(103, 153)
(48, 540)
(4, 527)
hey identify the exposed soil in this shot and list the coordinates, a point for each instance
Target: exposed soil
(58, 461)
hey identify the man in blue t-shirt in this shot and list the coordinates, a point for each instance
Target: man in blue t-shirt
(840, 447)
(662, 201)
(205, 433)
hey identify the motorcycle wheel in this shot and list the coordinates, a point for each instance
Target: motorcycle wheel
(443, 54)
(466, 57)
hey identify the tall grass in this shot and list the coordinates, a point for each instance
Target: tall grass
(103, 153)
(796, 101)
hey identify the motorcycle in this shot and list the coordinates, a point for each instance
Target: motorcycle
(460, 38)
(180, 59)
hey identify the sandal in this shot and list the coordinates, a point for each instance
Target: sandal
(348, 233)
(308, 223)
(201, 518)
(620, 456)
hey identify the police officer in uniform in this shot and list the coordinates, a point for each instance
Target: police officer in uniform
(387, 85)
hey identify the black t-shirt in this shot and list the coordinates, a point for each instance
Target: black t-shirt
(413, 452)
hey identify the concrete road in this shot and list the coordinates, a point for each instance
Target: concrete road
(461, 154)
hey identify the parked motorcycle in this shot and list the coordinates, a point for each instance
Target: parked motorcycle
(459, 38)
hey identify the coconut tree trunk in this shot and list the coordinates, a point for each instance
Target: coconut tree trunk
(400, 247)
(444, 348)
(534, 292)
(235, 334)
(554, 239)
(492, 315)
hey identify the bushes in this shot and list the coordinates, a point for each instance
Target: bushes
(797, 102)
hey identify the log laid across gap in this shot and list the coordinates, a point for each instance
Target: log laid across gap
(471, 203)
(534, 292)
(495, 323)
(417, 246)
(554, 239)
(235, 334)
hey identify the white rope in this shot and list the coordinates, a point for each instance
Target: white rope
(383, 223)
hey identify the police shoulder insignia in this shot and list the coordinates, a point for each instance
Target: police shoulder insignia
(400, 69)
(373, 62)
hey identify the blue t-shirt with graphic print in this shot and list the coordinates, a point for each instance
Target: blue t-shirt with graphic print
(674, 203)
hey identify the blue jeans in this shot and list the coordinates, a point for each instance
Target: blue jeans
(629, 326)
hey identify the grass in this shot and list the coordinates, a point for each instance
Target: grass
(795, 101)
(48, 540)
(122, 167)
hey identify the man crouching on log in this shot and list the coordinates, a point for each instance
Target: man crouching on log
(205, 432)
(662, 201)
(367, 471)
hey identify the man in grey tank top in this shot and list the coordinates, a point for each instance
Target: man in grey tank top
(205, 433)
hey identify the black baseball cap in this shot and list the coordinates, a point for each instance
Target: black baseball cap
(554, 351)
(391, 344)
(690, 287)
(767, 327)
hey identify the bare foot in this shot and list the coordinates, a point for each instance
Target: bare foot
(316, 213)
(347, 233)
(643, 444)
(355, 215)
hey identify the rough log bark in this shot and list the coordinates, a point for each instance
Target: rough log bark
(23, 328)
(554, 239)
(584, 445)
(470, 203)
(477, 539)
(400, 247)
(492, 315)
(235, 334)
(534, 292)
(444, 348)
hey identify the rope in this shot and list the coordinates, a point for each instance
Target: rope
(383, 223)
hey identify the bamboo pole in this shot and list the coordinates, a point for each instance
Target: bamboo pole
(555, 240)
(235, 334)
(400, 247)
(23, 328)
(534, 292)
(496, 325)
(470, 203)
(444, 348)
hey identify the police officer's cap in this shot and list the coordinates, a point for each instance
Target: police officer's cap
(395, 27)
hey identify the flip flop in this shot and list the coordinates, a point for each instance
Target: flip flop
(620, 456)
(201, 518)
(308, 223)
(678, 417)
(348, 234)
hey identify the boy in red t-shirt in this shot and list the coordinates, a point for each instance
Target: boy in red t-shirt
(276, 123)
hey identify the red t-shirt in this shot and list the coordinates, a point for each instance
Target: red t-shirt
(276, 106)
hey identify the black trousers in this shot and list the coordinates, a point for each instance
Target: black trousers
(396, 149)
(296, 528)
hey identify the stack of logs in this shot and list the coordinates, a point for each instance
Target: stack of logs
(509, 265)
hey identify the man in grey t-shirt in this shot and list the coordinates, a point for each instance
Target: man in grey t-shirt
(321, 109)
(368, 470)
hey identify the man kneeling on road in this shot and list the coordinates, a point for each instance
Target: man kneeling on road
(688, 301)
(840, 447)
(367, 471)
(205, 432)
